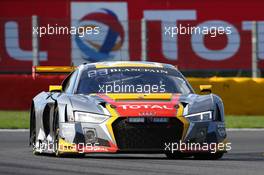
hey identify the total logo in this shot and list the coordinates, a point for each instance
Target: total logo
(110, 39)
(170, 45)
(145, 106)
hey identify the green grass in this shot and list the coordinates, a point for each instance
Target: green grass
(244, 121)
(20, 119)
(14, 119)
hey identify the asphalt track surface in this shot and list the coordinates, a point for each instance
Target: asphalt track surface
(246, 157)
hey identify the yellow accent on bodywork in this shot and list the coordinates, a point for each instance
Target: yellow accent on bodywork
(128, 64)
(110, 121)
(67, 147)
(185, 122)
(152, 96)
(55, 88)
(206, 88)
(54, 69)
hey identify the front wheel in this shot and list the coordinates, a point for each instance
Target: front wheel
(33, 135)
(209, 156)
(56, 133)
(57, 143)
(57, 151)
(177, 155)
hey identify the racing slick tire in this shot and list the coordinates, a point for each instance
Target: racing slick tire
(209, 156)
(57, 138)
(56, 131)
(176, 155)
(33, 135)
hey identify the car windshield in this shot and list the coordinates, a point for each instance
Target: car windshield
(128, 80)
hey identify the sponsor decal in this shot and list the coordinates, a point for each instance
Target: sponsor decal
(136, 107)
(221, 52)
(145, 106)
(112, 37)
(156, 70)
(147, 113)
(102, 72)
(13, 47)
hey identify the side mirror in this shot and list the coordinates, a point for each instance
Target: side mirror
(55, 88)
(206, 89)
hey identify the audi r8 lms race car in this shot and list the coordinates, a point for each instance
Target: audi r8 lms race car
(127, 107)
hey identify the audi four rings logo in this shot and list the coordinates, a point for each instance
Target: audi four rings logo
(147, 113)
(146, 106)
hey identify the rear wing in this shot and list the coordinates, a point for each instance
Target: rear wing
(51, 70)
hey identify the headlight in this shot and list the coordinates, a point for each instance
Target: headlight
(89, 117)
(202, 116)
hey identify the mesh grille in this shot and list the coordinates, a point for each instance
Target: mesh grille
(146, 136)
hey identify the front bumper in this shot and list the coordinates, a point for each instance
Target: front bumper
(117, 135)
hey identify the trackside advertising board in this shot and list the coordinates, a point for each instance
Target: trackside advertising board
(195, 35)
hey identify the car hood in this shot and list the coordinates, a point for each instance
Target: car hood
(135, 105)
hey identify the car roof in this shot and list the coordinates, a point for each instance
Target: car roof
(112, 64)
